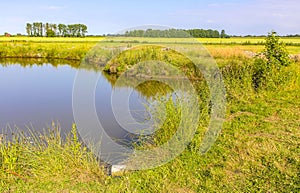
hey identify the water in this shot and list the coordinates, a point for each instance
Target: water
(35, 96)
(110, 114)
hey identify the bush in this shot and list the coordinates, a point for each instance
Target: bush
(268, 65)
(275, 52)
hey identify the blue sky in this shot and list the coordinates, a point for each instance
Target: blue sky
(237, 17)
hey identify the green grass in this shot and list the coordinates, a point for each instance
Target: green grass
(257, 150)
(43, 50)
(234, 40)
(46, 162)
(49, 39)
(77, 48)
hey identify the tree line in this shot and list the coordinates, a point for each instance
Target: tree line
(209, 33)
(39, 29)
(176, 33)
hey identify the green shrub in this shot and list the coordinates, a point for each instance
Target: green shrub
(275, 52)
(268, 66)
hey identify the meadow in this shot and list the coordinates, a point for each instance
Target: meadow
(257, 150)
(76, 48)
(232, 40)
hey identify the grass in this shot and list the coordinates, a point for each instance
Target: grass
(140, 54)
(43, 50)
(257, 151)
(49, 39)
(77, 48)
(234, 40)
(46, 162)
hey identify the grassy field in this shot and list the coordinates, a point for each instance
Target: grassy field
(49, 39)
(76, 48)
(257, 151)
(234, 40)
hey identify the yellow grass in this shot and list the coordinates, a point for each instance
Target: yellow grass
(145, 39)
(219, 48)
(50, 39)
(243, 40)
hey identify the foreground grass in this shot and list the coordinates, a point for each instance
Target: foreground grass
(46, 162)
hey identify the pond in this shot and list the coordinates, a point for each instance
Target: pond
(34, 96)
(115, 110)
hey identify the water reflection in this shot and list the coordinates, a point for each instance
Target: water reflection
(37, 92)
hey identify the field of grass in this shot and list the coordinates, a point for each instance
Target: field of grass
(49, 39)
(76, 48)
(257, 150)
(77, 51)
(233, 40)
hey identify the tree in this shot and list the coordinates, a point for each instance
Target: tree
(83, 29)
(35, 29)
(71, 30)
(50, 33)
(29, 29)
(275, 52)
(54, 28)
(223, 34)
(40, 29)
(7, 34)
(268, 65)
(46, 27)
(50, 30)
(62, 29)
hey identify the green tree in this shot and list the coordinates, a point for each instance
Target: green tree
(223, 34)
(62, 30)
(50, 33)
(40, 29)
(268, 65)
(54, 28)
(71, 30)
(29, 29)
(275, 51)
(83, 29)
(46, 28)
(35, 29)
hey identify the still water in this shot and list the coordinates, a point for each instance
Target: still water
(35, 96)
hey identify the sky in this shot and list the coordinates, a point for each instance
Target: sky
(237, 17)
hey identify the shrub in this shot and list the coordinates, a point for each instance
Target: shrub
(275, 52)
(268, 65)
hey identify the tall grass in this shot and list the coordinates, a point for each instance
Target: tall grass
(68, 48)
(44, 50)
(216, 41)
(46, 161)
